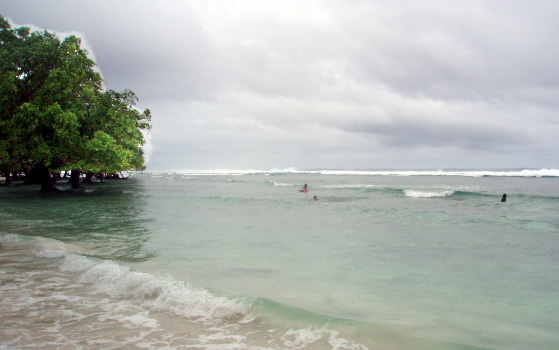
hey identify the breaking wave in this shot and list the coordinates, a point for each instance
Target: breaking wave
(158, 293)
(145, 310)
(427, 194)
(467, 173)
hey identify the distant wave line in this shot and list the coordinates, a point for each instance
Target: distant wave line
(288, 171)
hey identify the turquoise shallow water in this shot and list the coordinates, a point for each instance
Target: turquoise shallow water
(244, 260)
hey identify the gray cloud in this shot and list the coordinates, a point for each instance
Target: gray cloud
(328, 84)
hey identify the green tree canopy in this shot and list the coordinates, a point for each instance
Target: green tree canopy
(54, 112)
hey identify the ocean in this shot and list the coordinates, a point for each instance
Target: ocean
(245, 260)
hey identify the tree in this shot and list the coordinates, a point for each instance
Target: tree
(55, 113)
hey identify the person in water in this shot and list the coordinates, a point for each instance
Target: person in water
(315, 198)
(504, 198)
(305, 187)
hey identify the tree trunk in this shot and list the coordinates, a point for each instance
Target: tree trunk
(8, 176)
(75, 178)
(88, 177)
(40, 174)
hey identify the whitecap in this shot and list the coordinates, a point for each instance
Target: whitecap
(438, 172)
(427, 194)
(281, 184)
(158, 293)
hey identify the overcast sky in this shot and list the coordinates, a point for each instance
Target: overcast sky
(335, 84)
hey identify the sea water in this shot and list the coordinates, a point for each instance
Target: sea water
(244, 260)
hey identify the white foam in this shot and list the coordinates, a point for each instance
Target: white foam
(10, 239)
(469, 173)
(195, 172)
(280, 184)
(359, 186)
(137, 320)
(339, 343)
(157, 293)
(237, 172)
(40, 246)
(76, 263)
(181, 299)
(427, 194)
(302, 338)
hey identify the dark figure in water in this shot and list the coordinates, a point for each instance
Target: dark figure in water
(504, 198)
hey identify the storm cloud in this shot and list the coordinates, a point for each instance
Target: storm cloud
(327, 84)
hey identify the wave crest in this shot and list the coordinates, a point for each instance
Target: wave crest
(158, 293)
(467, 173)
(427, 194)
